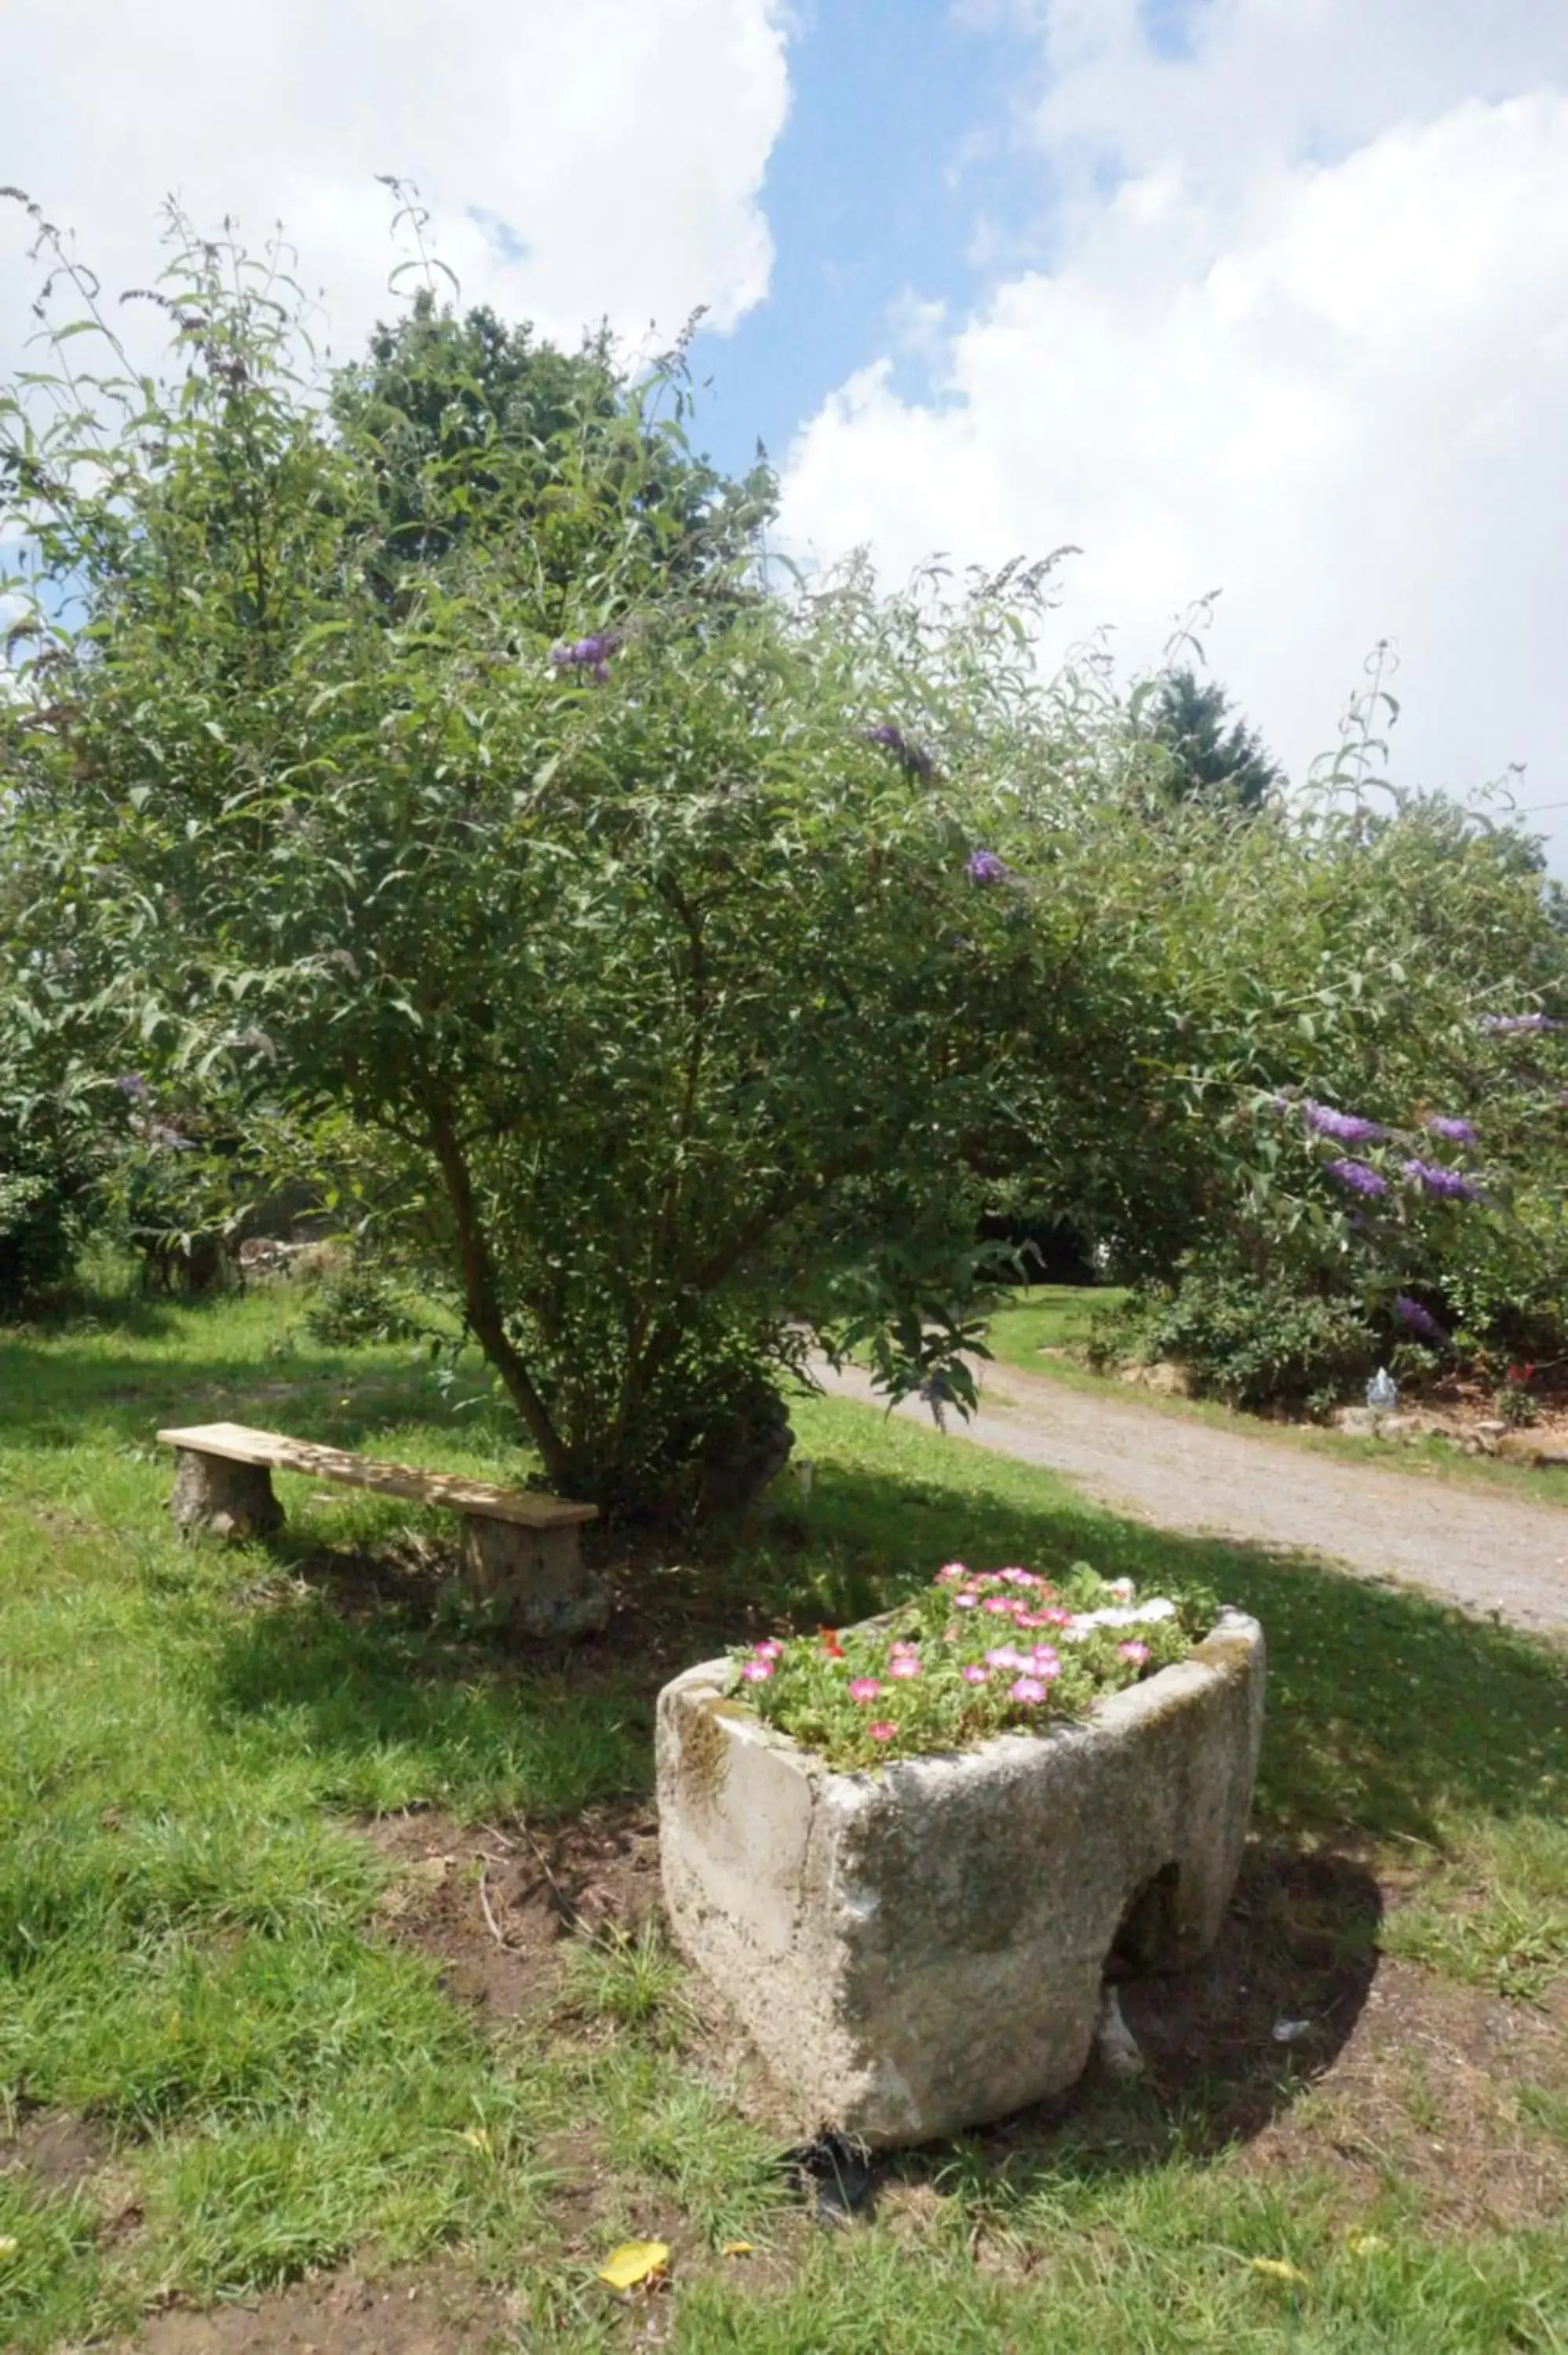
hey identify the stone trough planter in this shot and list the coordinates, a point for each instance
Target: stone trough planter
(919, 1951)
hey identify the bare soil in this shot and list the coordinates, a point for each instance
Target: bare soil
(1386, 2073)
(341, 2314)
(490, 1907)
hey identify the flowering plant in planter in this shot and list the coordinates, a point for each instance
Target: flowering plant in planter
(977, 1653)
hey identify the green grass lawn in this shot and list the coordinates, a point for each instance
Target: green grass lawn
(1042, 1321)
(1047, 1316)
(203, 1978)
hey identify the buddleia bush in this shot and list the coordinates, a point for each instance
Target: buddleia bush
(1372, 1154)
(440, 762)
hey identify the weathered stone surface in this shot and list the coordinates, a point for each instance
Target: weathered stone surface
(923, 1950)
(538, 1573)
(230, 1500)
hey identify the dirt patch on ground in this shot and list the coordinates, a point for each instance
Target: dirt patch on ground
(1296, 2043)
(1294, 2039)
(499, 1910)
(58, 2149)
(492, 1906)
(340, 2314)
(1434, 2093)
(1276, 1999)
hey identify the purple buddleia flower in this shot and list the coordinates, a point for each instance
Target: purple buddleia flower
(912, 758)
(1420, 1320)
(1359, 1176)
(1452, 1132)
(591, 654)
(985, 866)
(1518, 1022)
(1344, 1127)
(1451, 1183)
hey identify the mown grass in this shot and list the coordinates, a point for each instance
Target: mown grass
(190, 1955)
(1042, 1325)
(1045, 1316)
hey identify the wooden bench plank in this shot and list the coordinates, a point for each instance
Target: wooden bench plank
(237, 1443)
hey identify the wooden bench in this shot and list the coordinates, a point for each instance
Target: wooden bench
(517, 1546)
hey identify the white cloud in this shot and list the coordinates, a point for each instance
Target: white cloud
(1304, 335)
(583, 158)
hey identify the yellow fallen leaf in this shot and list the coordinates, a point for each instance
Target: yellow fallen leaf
(736, 2249)
(1277, 2270)
(8, 2246)
(1365, 2244)
(479, 2137)
(634, 2262)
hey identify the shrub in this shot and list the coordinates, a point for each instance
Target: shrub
(1252, 1341)
(356, 1305)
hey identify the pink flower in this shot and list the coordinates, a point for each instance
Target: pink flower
(863, 1688)
(1018, 1577)
(1004, 1656)
(965, 1601)
(901, 1649)
(1138, 1652)
(770, 1650)
(1032, 1618)
(883, 1731)
(974, 1675)
(1027, 1688)
(904, 1667)
(951, 1571)
(1054, 1618)
(757, 1672)
(1046, 1666)
(997, 1602)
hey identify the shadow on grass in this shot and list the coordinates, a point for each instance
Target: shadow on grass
(1386, 1713)
(371, 1662)
(49, 1399)
(1385, 1710)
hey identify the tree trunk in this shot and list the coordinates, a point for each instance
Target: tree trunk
(480, 1299)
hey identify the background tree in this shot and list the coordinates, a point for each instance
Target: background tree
(1225, 766)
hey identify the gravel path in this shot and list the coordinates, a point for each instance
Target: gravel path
(1483, 1552)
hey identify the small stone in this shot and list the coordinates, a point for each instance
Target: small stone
(1116, 2044)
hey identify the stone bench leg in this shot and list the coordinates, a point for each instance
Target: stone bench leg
(231, 1500)
(539, 1574)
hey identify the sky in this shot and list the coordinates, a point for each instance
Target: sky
(1261, 297)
